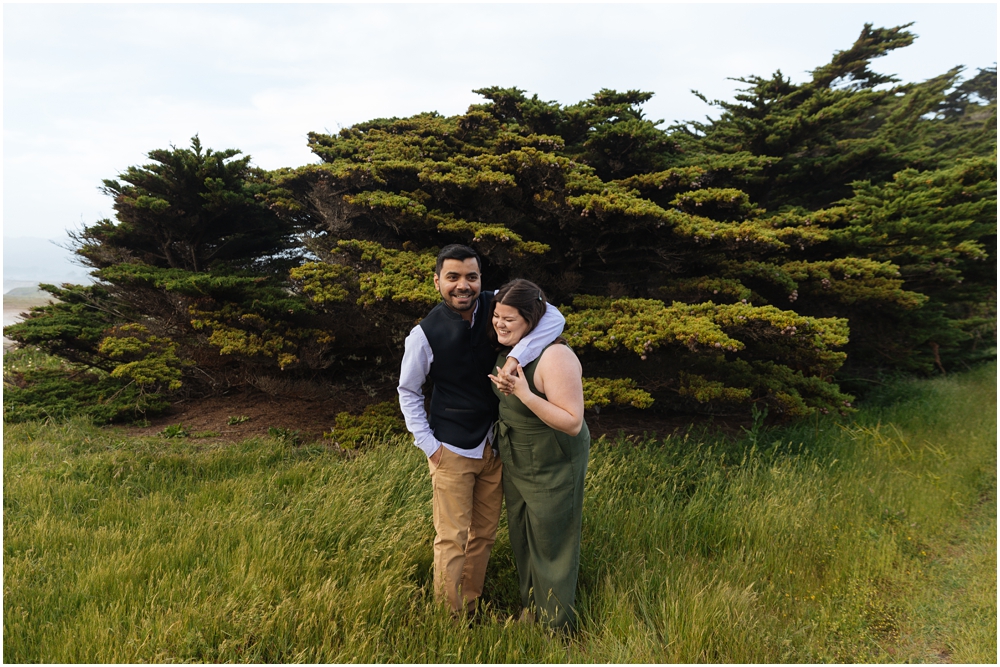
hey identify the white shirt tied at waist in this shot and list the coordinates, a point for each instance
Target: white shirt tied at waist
(417, 360)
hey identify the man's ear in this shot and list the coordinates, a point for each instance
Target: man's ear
(437, 282)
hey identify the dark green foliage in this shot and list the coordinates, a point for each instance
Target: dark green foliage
(903, 176)
(967, 118)
(242, 313)
(175, 431)
(37, 386)
(188, 209)
(939, 229)
(805, 144)
(979, 90)
(193, 277)
(286, 435)
(74, 326)
(193, 280)
(203, 330)
(844, 227)
(393, 191)
(800, 197)
(607, 132)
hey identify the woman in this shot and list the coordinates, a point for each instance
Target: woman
(544, 444)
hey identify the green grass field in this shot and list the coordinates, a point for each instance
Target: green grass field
(871, 539)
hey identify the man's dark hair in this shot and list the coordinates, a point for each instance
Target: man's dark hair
(459, 252)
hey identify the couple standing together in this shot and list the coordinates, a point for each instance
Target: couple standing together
(535, 454)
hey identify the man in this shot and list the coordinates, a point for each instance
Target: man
(451, 347)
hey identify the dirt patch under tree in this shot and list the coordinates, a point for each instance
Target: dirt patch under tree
(240, 415)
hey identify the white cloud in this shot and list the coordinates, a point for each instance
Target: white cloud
(89, 89)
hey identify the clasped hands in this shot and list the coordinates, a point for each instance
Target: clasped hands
(510, 378)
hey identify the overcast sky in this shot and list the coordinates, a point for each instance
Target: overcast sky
(89, 89)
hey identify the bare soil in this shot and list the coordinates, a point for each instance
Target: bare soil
(312, 417)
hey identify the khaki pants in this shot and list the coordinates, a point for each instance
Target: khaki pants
(467, 497)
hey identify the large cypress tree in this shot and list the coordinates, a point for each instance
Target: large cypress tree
(903, 175)
(188, 209)
(191, 276)
(392, 191)
(706, 266)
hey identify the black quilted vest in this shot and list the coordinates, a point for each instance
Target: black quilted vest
(463, 406)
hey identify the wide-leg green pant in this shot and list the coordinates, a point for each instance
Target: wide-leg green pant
(543, 480)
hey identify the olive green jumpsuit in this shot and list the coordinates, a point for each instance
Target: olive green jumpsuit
(543, 475)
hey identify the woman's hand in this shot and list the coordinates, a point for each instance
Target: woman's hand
(502, 378)
(506, 382)
(512, 383)
(499, 381)
(519, 384)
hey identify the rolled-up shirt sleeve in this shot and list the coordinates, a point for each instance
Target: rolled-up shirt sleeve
(547, 330)
(417, 360)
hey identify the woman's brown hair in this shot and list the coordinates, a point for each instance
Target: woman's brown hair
(524, 296)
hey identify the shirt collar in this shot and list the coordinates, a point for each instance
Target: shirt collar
(475, 310)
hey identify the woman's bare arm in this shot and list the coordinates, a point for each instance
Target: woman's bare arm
(560, 377)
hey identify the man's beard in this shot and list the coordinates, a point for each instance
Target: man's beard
(471, 296)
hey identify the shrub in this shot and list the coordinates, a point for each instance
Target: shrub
(175, 431)
(39, 386)
(381, 420)
(286, 435)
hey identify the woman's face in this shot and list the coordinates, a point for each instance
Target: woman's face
(509, 325)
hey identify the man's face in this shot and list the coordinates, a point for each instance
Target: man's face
(459, 284)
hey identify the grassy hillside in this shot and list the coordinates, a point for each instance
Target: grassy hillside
(869, 540)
